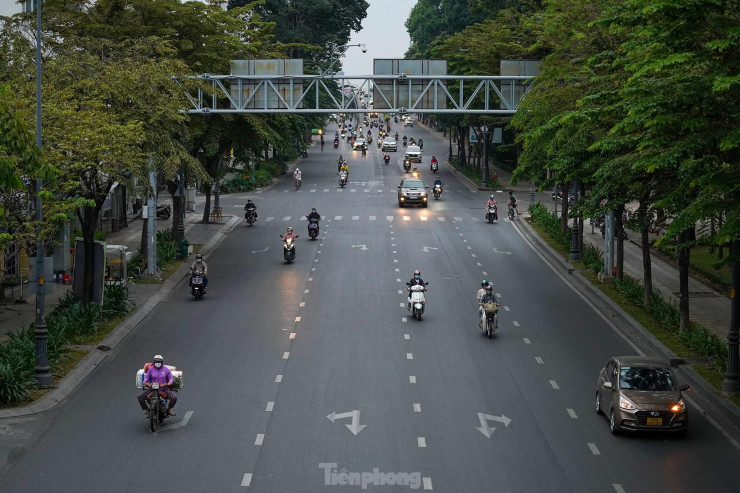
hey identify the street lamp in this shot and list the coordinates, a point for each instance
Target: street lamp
(575, 251)
(344, 50)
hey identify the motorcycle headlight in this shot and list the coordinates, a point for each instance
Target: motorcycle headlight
(679, 406)
(626, 404)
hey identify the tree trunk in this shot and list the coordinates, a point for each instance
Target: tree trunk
(88, 217)
(564, 212)
(721, 250)
(619, 220)
(144, 246)
(207, 207)
(683, 279)
(647, 270)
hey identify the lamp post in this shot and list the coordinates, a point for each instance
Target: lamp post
(344, 50)
(575, 251)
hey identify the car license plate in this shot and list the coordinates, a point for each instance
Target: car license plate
(655, 421)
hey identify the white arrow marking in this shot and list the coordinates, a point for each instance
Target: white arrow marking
(497, 251)
(260, 251)
(355, 427)
(361, 247)
(487, 430)
(427, 249)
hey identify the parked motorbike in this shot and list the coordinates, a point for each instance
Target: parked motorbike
(157, 405)
(313, 228)
(288, 249)
(251, 216)
(491, 310)
(164, 211)
(197, 289)
(435, 166)
(417, 300)
(387, 159)
(437, 191)
(492, 214)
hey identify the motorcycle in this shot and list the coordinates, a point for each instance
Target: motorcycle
(491, 310)
(342, 179)
(387, 159)
(313, 228)
(380, 143)
(251, 216)
(437, 191)
(157, 407)
(492, 214)
(406, 165)
(421, 145)
(369, 140)
(288, 249)
(298, 182)
(417, 300)
(196, 286)
(435, 166)
(163, 212)
(511, 213)
(336, 143)
(304, 153)
(343, 135)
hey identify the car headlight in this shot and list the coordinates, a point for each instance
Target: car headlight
(679, 406)
(423, 194)
(626, 404)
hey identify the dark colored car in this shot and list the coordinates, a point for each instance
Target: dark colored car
(641, 393)
(412, 191)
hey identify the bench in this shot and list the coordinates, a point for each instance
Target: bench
(216, 215)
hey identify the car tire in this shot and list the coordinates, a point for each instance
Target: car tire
(400, 204)
(613, 427)
(598, 404)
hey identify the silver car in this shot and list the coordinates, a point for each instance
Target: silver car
(390, 145)
(641, 393)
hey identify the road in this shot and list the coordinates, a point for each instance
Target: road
(299, 376)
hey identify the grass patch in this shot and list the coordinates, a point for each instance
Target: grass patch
(715, 375)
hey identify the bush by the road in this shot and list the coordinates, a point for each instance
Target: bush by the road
(68, 323)
(550, 222)
(260, 177)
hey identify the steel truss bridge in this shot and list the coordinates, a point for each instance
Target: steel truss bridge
(400, 93)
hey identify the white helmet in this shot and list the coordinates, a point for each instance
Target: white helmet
(158, 358)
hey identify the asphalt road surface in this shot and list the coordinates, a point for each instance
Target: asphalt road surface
(314, 377)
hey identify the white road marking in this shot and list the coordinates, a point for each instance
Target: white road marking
(269, 219)
(393, 244)
(395, 261)
(484, 273)
(539, 360)
(286, 218)
(298, 319)
(469, 247)
(292, 335)
(313, 190)
(479, 264)
(417, 407)
(440, 218)
(594, 449)
(303, 303)
(337, 218)
(305, 291)
(473, 255)
(404, 319)
(527, 341)
(460, 233)
(278, 378)
(427, 481)
(355, 218)
(458, 219)
(318, 251)
(409, 355)
(412, 379)
(421, 442)
(313, 269)
(247, 479)
(423, 218)
(315, 260)
(397, 270)
(389, 218)
(618, 488)
(516, 324)
(554, 385)
(572, 413)
(260, 438)
(464, 241)
(398, 280)
(380, 191)
(507, 308)
(402, 304)
(326, 190)
(353, 190)
(286, 355)
(269, 407)
(366, 191)
(407, 218)
(400, 291)
(372, 218)
(310, 278)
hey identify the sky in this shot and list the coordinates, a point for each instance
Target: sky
(384, 34)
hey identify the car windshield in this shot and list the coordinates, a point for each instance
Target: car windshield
(645, 378)
(413, 184)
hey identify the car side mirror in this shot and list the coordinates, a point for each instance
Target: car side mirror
(608, 385)
(685, 387)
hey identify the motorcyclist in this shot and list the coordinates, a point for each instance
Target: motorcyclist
(386, 157)
(488, 297)
(434, 159)
(513, 202)
(396, 136)
(364, 150)
(415, 172)
(438, 181)
(199, 266)
(344, 167)
(415, 281)
(405, 141)
(482, 290)
(314, 215)
(421, 144)
(158, 373)
(340, 161)
(289, 234)
(491, 202)
(251, 207)
(297, 175)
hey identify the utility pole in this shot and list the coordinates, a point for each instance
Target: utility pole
(151, 225)
(731, 383)
(41, 369)
(575, 250)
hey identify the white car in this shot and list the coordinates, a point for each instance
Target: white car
(413, 153)
(408, 122)
(358, 144)
(389, 145)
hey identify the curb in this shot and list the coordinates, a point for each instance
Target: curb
(726, 415)
(96, 357)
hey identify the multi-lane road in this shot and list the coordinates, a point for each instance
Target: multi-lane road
(311, 376)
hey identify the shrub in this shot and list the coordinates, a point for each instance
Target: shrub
(593, 258)
(166, 247)
(550, 222)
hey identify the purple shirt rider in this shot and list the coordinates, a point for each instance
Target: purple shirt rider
(162, 376)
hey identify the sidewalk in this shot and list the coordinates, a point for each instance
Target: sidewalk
(707, 307)
(17, 316)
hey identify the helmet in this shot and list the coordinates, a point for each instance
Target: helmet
(313, 209)
(489, 288)
(297, 170)
(158, 358)
(417, 273)
(484, 283)
(290, 229)
(199, 257)
(491, 197)
(249, 201)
